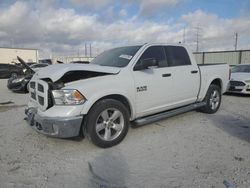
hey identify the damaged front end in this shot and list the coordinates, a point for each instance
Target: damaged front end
(55, 109)
(61, 127)
(41, 90)
(72, 76)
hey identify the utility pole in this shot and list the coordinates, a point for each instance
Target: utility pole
(184, 35)
(85, 50)
(236, 41)
(198, 29)
(90, 50)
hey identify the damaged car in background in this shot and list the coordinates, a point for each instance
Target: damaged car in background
(20, 83)
(9, 70)
(240, 79)
(127, 85)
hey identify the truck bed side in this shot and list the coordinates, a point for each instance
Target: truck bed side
(210, 73)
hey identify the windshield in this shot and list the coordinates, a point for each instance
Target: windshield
(117, 57)
(241, 68)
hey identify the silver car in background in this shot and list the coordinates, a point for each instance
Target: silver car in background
(240, 79)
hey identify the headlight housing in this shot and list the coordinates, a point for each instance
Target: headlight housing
(68, 97)
(17, 80)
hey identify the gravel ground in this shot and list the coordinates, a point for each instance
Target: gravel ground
(189, 150)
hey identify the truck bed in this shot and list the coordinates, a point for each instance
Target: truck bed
(209, 72)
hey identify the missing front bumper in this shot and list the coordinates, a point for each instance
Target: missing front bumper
(61, 127)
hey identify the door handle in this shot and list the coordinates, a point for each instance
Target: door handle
(166, 75)
(194, 72)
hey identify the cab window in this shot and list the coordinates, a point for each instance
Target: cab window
(153, 52)
(177, 56)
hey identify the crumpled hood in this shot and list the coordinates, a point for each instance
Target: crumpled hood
(55, 72)
(240, 76)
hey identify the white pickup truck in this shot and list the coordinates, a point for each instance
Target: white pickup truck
(131, 84)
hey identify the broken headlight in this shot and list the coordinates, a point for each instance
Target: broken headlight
(17, 80)
(68, 97)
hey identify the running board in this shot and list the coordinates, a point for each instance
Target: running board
(156, 117)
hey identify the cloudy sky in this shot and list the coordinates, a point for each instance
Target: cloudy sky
(62, 27)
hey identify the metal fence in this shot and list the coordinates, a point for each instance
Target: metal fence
(68, 59)
(229, 57)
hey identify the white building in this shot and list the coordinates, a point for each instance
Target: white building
(9, 55)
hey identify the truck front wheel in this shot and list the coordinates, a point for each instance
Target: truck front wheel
(212, 99)
(107, 123)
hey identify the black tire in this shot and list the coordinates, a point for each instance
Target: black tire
(95, 118)
(210, 100)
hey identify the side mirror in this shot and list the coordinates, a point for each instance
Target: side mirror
(146, 63)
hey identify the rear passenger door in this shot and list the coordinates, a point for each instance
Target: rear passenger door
(186, 78)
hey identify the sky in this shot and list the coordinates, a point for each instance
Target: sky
(63, 27)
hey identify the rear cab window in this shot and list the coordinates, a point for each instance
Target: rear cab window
(177, 56)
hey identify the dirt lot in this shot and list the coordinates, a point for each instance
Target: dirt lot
(189, 150)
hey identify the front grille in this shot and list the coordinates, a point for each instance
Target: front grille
(33, 85)
(40, 88)
(237, 83)
(39, 91)
(41, 100)
(232, 88)
(33, 95)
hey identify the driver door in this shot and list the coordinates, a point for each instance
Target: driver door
(153, 85)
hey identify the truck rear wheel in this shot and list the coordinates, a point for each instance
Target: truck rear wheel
(107, 123)
(212, 99)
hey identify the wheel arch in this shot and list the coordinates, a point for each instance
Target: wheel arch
(209, 98)
(218, 82)
(119, 97)
(206, 84)
(215, 81)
